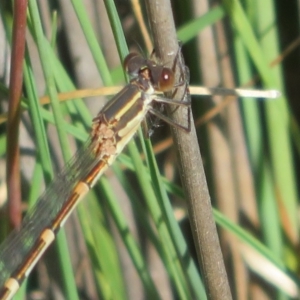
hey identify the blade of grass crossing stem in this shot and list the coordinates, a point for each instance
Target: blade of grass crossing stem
(129, 242)
(102, 249)
(139, 211)
(170, 256)
(108, 253)
(140, 214)
(190, 270)
(90, 242)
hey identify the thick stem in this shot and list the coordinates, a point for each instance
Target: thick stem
(190, 163)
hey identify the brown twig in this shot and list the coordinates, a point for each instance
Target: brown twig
(16, 80)
(190, 163)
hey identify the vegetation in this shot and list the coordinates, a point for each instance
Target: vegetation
(129, 238)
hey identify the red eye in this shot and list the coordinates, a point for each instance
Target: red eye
(133, 62)
(166, 81)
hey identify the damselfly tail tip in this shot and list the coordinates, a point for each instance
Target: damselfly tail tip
(266, 94)
(273, 94)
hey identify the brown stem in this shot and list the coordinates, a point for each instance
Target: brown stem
(15, 89)
(190, 163)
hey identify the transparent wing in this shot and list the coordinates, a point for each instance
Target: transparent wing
(20, 242)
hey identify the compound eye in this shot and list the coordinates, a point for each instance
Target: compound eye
(133, 62)
(166, 81)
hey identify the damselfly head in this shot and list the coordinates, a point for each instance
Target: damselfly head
(162, 79)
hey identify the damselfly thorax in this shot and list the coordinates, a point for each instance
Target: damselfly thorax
(120, 118)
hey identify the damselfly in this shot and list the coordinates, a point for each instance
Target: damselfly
(112, 129)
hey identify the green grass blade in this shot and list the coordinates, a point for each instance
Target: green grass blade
(92, 41)
(191, 29)
(276, 110)
(190, 271)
